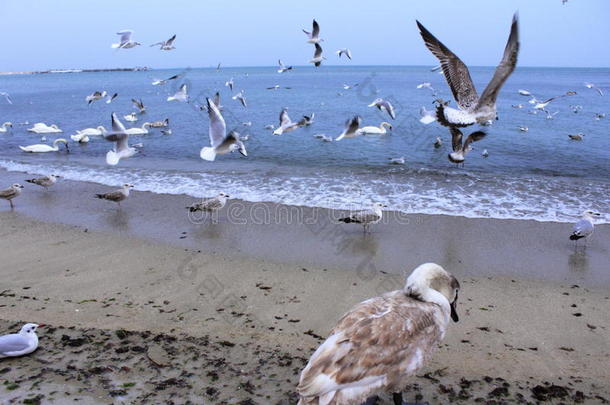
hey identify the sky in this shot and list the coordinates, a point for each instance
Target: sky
(42, 34)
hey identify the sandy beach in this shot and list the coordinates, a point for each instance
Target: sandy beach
(147, 305)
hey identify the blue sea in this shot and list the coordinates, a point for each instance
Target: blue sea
(540, 174)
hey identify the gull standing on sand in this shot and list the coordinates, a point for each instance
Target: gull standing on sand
(345, 52)
(317, 56)
(167, 45)
(242, 99)
(42, 148)
(6, 96)
(126, 41)
(139, 104)
(116, 196)
(181, 95)
(210, 204)
(119, 136)
(95, 96)
(286, 124)
(384, 105)
(380, 344)
(283, 68)
(45, 181)
(42, 128)
(4, 127)
(161, 82)
(584, 227)
(460, 150)
(220, 142)
(366, 217)
(314, 35)
(594, 87)
(10, 193)
(351, 128)
(19, 344)
(472, 108)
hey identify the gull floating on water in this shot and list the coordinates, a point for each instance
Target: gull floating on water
(42, 128)
(594, 87)
(351, 128)
(472, 108)
(283, 68)
(159, 124)
(578, 137)
(4, 127)
(323, 137)
(584, 227)
(119, 136)
(317, 56)
(576, 108)
(384, 105)
(116, 196)
(221, 142)
(211, 204)
(380, 344)
(373, 130)
(42, 148)
(349, 87)
(126, 41)
(397, 161)
(166, 45)
(366, 217)
(523, 128)
(286, 124)
(139, 104)
(10, 193)
(307, 120)
(598, 116)
(314, 35)
(461, 149)
(181, 95)
(519, 106)
(133, 117)
(438, 143)
(20, 344)
(242, 99)
(161, 82)
(345, 52)
(44, 181)
(485, 153)
(6, 96)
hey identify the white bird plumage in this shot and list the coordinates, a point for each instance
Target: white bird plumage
(19, 344)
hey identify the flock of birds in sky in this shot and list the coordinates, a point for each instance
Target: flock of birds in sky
(430, 292)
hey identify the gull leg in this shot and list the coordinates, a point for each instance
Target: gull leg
(11, 202)
(397, 398)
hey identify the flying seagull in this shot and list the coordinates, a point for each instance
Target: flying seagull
(384, 105)
(19, 344)
(345, 52)
(317, 56)
(161, 82)
(460, 150)
(126, 41)
(181, 95)
(314, 35)
(220, 142)
(472, 108)
(307, 120)
(167, 45)
(382, 343)
(283, 68)
(119, 136)
(116, 196)
(97, 95)
(6, 96)
(286, 124)
(139, 104)
(230, 84)
(594, 87)
(351, 128)
(540, 105)
(584, 227)
(240, 96)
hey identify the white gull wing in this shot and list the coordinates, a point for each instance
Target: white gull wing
(455, 71)
(218, 128)
(505, 68)
(582, 228)
(125, 35)
(12, 343)
(284, 118)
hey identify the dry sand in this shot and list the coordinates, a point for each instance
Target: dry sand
(140, 312)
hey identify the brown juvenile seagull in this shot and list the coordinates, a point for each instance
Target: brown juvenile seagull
(211, 204)
(45, 181)
(116, 196)
(472, 108)
(10, 193)
(382, 342)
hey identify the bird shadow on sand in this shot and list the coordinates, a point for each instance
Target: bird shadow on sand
(117, 218)
(578, 261)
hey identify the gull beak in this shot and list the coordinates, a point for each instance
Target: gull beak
(41, 325)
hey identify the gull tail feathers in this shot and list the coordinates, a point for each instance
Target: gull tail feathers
(208, 154)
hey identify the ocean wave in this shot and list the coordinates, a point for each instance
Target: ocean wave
(419, 191)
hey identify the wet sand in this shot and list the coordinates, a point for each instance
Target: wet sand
(145, 306)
